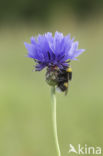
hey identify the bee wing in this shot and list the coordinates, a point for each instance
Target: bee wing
(58, 90)
(66, 92)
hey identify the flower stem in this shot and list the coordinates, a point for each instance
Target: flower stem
(53, 102)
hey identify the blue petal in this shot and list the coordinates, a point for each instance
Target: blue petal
(78, 52)
(34, 52)
(33, 41)
(73, 48)
(58, 38)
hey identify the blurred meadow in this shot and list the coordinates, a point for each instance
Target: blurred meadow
(25, 107)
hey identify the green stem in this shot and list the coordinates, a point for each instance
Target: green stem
(53, 102)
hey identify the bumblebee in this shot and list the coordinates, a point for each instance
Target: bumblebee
(65, 75)
(59, 77)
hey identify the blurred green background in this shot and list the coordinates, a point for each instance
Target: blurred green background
(25, 108)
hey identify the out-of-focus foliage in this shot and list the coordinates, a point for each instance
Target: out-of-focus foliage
(32, 9)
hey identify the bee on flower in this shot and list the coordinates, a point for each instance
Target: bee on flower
(54, 54)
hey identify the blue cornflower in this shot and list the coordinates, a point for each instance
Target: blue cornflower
(55, 53)
(48, 50)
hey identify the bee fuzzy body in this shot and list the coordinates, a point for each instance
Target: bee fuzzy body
(59, 77)
(63, 79)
